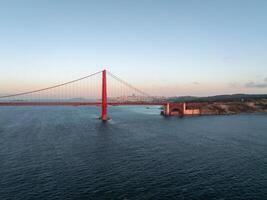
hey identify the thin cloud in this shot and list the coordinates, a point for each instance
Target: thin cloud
(256, 85)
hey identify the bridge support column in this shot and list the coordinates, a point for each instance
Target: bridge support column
(104, 115)
(167, 111)
(184, 107)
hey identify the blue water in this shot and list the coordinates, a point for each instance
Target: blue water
(67, 153)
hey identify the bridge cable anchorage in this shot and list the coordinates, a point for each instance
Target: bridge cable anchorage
(52, 87)
(128, 85)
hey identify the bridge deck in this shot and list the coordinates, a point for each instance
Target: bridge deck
(79, 103)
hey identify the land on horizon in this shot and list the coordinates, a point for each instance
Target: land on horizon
(228, 104)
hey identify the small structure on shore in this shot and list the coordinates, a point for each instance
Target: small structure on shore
(179, 109)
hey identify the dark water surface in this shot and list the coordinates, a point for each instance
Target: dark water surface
(67, 153)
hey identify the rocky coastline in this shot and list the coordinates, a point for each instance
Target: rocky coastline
(229, 108)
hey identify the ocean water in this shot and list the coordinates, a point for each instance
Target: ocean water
(67, 153)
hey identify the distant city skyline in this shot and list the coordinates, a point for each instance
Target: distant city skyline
(169, 48)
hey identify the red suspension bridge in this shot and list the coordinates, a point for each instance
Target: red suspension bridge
(93, 90)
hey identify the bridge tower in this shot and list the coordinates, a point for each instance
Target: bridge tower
(104, 116)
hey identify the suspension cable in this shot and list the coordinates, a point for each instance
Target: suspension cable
(127, 84)
(55, 86)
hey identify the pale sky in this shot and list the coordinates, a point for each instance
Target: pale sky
(164, 47)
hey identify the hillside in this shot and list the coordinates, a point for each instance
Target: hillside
(220, 98)
(228, 104)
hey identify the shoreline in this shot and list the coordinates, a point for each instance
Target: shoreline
(230, 108)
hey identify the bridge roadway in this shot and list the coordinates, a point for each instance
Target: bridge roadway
(24, 103)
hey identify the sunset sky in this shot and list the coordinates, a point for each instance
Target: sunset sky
(166, 47)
